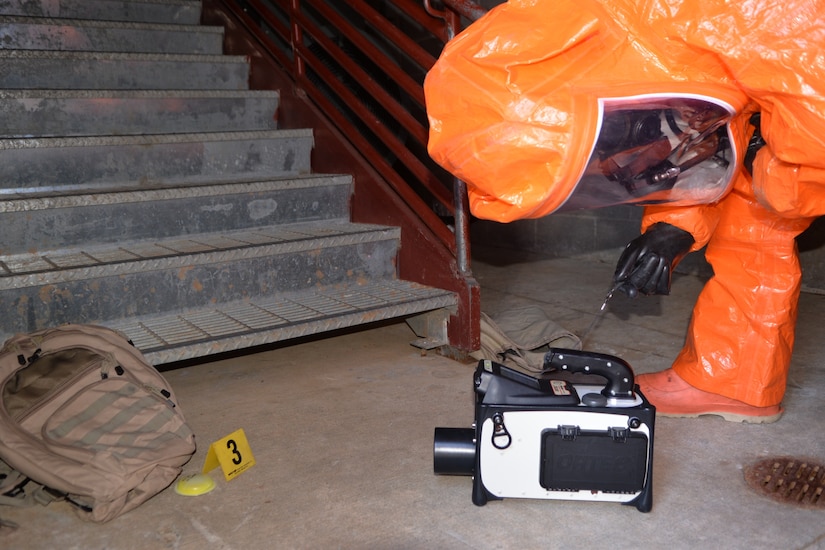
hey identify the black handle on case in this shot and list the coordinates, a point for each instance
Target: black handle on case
(619, 375)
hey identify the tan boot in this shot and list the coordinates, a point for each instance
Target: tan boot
(674, 397)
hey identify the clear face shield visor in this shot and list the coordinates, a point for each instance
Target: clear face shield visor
(655, 150)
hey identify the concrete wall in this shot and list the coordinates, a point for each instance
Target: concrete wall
(561, 235)
(607, 231)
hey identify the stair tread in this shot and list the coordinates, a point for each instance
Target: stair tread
(187, 11)
(136, 25)
(78, 113)
(151, 139)
(114, 56)
(39, 33)
(38, 268)
(135, 94)
(165, 190)
(264, 320)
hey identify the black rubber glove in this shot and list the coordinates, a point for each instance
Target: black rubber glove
(648, 260)
(756, 142)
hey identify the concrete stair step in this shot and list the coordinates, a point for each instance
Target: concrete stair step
(94, 163)
(185, 12)
(97, 284)
(68, 113)
(259, 321)
(58, 222)
(27, 69)
(143, 186)
(38, 33)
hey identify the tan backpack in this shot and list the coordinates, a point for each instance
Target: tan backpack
(521, 336)
(84, 415)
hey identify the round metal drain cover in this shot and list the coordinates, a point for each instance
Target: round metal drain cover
(789, 480)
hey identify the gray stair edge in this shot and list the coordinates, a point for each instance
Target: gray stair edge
(119, 56)
(135, 94)
(152, 139)
(359, 234)
(195, 5)
(106, 24)
(141, 330)
(123, 196)
(178, 2)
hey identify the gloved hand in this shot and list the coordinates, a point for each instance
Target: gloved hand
(648, 260)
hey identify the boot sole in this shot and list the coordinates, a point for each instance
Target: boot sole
(728, 416)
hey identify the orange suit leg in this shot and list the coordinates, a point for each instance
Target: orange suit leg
(741, 335)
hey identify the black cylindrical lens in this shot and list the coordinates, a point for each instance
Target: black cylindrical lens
(454, 451)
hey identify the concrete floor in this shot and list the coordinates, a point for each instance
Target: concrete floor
(342, 432)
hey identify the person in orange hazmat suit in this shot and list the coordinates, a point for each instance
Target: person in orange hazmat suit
(524, 107)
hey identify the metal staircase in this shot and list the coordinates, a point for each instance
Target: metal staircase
(144, 187)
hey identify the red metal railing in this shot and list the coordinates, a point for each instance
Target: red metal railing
(354, 72)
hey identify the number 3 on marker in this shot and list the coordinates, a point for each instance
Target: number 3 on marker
(233, 448)
(231, 453)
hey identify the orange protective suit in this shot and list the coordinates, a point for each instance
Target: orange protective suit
(516, 104)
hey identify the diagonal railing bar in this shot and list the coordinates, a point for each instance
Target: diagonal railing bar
(266, 28)
(410, 86)
(362, 63)
(435, 25)
(424, 175)
(418, 169)
(396, 36)
(463, 8)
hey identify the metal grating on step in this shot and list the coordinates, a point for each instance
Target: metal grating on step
(229, 246)
(214, 323)
(189, 189)
(113, 255)
(253, 315)
(277, 234)
(260, 321)
(147, 250)
(68, 260)
(291, 311)
(326, 305)
(26, 264)
(175, 330)
(253, 238)
(187, 246)
(789, 480)
(363, 300)
(219, 241)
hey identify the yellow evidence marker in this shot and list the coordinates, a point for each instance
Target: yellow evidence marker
(232, 453)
